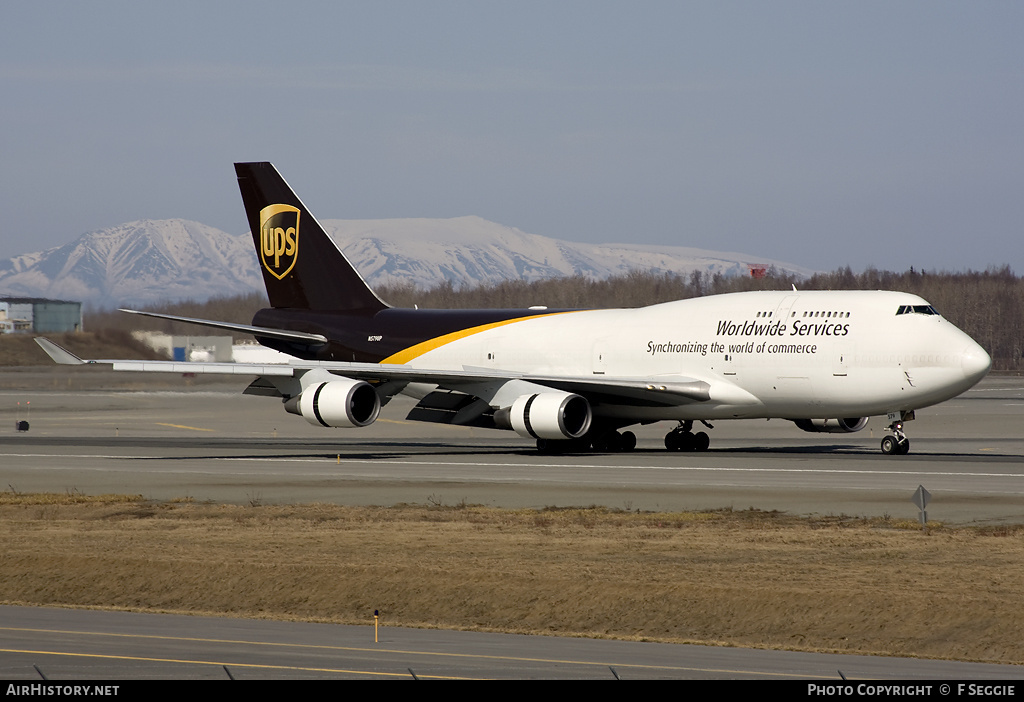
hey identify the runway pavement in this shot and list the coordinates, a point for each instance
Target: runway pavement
(211, 443)
(81, 645)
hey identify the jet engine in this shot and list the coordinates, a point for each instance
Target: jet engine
(832, 426)
(547, 415)
(337, 403)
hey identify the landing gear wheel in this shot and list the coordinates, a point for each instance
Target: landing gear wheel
(672, 441)
(680, 440)
(613, 441)
(891, 446)
(701, 441)
(897, 443)
(628, 441)
(607, 442)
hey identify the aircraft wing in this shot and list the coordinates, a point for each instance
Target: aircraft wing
(64, 357)
(645, 391)
(630, 390)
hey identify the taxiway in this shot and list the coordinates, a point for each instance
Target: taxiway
(210, 443)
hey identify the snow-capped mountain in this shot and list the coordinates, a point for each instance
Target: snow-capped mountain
(472, 250)
(155, 260)
(137, 262)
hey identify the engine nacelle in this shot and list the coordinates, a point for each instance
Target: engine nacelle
(547, 415)
(337, 403)
(832, 426)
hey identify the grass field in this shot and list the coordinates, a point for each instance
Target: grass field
(729, 578)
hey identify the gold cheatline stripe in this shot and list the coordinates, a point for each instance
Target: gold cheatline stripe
(406, 355)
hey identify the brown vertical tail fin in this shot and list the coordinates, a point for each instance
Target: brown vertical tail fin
(302, 266)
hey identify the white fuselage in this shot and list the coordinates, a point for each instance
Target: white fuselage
(763, 354)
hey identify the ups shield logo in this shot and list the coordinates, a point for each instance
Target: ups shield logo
(279, 239)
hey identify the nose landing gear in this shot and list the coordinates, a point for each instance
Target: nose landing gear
(897, 443)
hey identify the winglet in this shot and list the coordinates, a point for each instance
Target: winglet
(57, 353)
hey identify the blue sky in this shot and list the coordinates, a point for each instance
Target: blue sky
(821, 133)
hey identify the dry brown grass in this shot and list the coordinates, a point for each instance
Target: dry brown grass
(736, 578)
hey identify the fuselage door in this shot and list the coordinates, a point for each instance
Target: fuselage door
(841, 357)
(729, 364)
(782, 312)
(599, 357)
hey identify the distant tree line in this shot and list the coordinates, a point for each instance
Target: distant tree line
(987, 305)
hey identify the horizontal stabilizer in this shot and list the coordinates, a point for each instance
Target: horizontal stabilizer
(267, 332)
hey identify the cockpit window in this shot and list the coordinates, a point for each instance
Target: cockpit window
(916, 309)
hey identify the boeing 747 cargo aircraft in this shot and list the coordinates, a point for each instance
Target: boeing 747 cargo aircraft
(575, 379)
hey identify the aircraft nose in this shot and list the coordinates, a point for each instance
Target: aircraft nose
(975, 362)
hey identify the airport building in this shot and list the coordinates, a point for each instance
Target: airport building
(192, 348)
(33, 314)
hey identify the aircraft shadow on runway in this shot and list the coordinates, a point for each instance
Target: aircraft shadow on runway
(390, 450)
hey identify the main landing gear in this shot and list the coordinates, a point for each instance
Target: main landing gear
(897, 443)
(682, 438)
(612, 441)
(600, 441)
